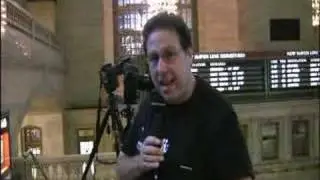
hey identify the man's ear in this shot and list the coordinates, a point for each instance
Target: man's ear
(189, 54)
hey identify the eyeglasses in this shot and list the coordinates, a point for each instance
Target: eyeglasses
(167, 55)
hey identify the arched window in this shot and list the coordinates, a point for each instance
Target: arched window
(131, 15)
(315, 12)
(31, 137)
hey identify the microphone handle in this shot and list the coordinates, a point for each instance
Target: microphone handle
(157, 131)
(157, 124)
(155, 174)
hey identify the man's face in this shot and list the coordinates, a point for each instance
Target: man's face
(169, 65)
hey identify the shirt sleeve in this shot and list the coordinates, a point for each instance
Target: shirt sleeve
(129, 146)
(230, 158)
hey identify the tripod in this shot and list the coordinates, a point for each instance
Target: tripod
(132, 82)
(116, 128)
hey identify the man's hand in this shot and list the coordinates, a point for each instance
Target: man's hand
(150, 153)
(129, 168)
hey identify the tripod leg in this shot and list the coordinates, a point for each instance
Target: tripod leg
(116, 144)
(129, 115)
(96, 145)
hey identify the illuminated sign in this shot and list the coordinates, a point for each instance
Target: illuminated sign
(258, 72)
(230, 75)
(295, 72)
(4, 123)
(5, 148)
(302, 53)
(230, 55)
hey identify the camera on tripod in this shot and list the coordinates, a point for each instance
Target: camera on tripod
(133, 81)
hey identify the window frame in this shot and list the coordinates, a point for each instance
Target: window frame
(117, 10)
(36, 144)
(301, 118)
(278, 141)
(84, 138)
(315, 13)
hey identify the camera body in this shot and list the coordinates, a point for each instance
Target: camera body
(133, 81)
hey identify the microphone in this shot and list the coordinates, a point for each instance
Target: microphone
(157, 125)
(157, 108)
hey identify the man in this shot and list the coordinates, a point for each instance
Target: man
(201, 138)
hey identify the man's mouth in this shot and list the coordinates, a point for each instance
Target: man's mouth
(166, 82)
(166, 85)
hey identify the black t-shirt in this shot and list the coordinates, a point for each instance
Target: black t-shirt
(204, 138)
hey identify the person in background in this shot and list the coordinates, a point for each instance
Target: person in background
(201, 138)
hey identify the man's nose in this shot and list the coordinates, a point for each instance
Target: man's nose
(162, 65)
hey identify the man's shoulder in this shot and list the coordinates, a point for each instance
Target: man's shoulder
(144, 99)
(143, 108)
(212, 99)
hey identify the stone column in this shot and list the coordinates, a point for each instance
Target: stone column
(84, 29)
(79, 30)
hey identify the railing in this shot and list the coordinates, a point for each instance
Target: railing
(65, 167)
(71, 167)
(36, 163)
(17, 17)
(287, 166)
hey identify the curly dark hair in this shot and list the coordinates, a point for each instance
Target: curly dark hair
(168, 21)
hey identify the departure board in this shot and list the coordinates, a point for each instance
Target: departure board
(230, 72)
(299, 69)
